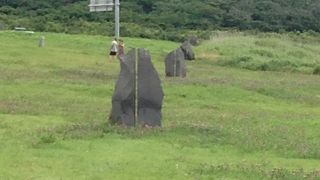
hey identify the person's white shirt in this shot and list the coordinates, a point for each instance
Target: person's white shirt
(114, 46)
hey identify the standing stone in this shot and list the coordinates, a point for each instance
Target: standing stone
(138, 95)
(194, 41)
(42, 41)
(175, 64)
(188, 51)
(149, 91)
(123, 100)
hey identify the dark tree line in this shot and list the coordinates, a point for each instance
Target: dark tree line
(162, 19)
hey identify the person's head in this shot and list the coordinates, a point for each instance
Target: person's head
(120, 41)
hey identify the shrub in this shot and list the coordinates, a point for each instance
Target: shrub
(2, 26)
(317, 70)
(236, 61)
(47, 139)
(267, 42)
(262, 52)
(264, 67)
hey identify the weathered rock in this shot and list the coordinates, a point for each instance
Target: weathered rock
(188, 51)
(123, 100)
(42, 41)
(175, 64)
(149, 91)
(194, 41)
(142, 89)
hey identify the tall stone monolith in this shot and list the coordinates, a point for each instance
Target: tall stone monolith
(188, 51)
(175, 64)
(138, 95)
(194, 41)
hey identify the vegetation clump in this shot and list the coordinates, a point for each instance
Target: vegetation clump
(288, 52)
(162, 19)
(316, 70)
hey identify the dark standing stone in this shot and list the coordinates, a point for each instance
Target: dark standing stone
(188, 51)
(147, 88)
(175, 64)
(194, 41)
(149, 91)
(123, 98)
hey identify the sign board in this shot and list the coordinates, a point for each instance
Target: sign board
(101, 5)
(20, 29)
(107, 5)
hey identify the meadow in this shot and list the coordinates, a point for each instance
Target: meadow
(248, 109)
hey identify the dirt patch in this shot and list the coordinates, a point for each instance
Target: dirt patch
(208, 56)
(7, 106)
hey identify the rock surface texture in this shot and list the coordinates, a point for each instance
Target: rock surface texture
(138, 95)
(175, 64)
(188, 51)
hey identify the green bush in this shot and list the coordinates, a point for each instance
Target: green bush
(47, 139)
(316, 70)
(236, 61)
(248, 62)
(156, 19)
(2, 25)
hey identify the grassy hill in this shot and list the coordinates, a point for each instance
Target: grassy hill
(266, 51)
(224, 121)
(162, 19)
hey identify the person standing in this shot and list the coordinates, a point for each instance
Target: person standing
(114, 49)
(121, 50)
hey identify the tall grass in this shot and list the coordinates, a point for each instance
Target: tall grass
(266, 51)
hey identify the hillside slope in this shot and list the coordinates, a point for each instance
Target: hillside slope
(220, 122)
(291, 52)
(162, 19)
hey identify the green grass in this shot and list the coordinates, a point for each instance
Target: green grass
(221, 122)
(265, 51)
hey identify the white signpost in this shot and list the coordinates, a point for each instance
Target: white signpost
(107, 5)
